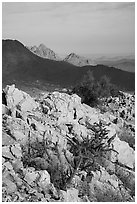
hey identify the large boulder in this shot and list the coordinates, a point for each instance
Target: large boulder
(63, 106)
(70, 196)
(18, 128)
(20, 99)
(125, 156)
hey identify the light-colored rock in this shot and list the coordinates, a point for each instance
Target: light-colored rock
(6, 153)
(10, 186)
(63, 129)
(126, 154)
(79, 131)
(16, 150)
(28, 104)
(71, 195)
(63, 106)
(18, 128)
(15, 97)
(104, 192)
(7, 139)
(30, 175)
(5, 110)
(38, 126)
(44, 179)
(17, 165)
(52, 136)
(8, 165)
(3, 160)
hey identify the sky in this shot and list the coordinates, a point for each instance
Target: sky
(84, 28)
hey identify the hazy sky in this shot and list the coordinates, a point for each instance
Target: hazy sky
(84, 28)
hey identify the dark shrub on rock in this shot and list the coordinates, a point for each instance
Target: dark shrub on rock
(92, 91)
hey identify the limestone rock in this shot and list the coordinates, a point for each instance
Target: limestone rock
(8, 166)
(17, 165)
(18, 128)
(6, 153)
(7, 139)
(16, 97)
(30, 175)
(5, 110)
(71, 195)
(38, 126)
(44, 179)
(3, 160)
(36, 149)
(10, 186)
(126, 154)
(105, 188)
(16, 150)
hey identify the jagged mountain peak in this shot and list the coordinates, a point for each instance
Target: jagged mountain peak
(73, 55)
(42, 46)
(78, 60)
(44, 52)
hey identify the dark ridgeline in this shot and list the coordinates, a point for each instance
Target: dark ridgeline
(21, 64)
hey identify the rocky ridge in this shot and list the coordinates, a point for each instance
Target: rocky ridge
(55, 148)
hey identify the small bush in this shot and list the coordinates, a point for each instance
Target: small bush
(91, 91)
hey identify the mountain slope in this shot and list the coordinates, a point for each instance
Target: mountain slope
(21, 64)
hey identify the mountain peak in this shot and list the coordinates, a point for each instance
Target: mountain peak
(42, 46)
(73, 55)
(77, 60)
(44, 52)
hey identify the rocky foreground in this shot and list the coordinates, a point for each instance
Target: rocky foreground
(55, 148)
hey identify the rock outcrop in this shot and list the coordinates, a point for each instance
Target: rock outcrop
(58, 149)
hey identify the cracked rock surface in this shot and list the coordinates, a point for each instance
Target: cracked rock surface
(56, 149)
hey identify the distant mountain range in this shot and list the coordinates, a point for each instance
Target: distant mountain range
(19, 63)
(126, 64)
(72, 58)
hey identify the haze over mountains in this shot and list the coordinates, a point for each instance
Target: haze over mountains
(126, 64)
(123, 63)
(19, 63)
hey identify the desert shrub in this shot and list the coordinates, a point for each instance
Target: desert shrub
(89, 149)
(87, 96)
(91, 91)
(85, 154)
